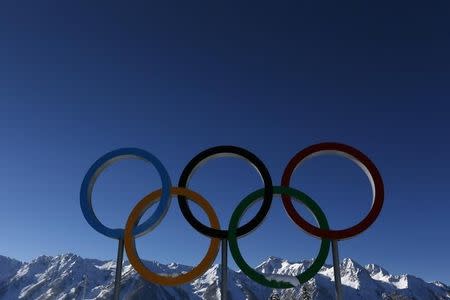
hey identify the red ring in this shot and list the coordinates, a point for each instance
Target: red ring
(363, 161)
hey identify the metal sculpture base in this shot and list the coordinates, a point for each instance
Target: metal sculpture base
(119, 263)
(337, 269)
(224, 271)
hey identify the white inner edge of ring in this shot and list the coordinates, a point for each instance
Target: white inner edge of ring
(346, 155)
(100, 170)
(222, 155)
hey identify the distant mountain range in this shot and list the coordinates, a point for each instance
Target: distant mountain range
(70, 276)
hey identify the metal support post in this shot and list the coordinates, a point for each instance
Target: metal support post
(118, 270)
(224, 270)
(337, 269)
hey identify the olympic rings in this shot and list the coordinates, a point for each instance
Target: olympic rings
(99, 166)
(261, 278)
(221, 151)
(363, 162)
(133, 230)
(130, 245)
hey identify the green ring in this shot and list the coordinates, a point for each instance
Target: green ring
(249, 271)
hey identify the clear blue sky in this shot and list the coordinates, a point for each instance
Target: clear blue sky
(78, 80)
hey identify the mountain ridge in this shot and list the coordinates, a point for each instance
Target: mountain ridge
(69, 276)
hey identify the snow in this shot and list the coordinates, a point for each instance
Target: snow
(292, 280)
(63, 277)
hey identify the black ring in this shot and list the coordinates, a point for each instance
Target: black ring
(218, 151)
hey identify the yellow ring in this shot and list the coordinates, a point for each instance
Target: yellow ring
(130, 245)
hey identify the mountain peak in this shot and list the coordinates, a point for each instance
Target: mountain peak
(270, 264)
(8, 267)
(441, 284)
(374, 269)
(348, 263)
(42, 259)
(354, 275)
(274, 259)
(4, 259)
(68, 255)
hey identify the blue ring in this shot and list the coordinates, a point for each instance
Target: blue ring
(99, 166)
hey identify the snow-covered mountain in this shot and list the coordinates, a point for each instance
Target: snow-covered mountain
(69, 276)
